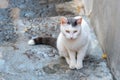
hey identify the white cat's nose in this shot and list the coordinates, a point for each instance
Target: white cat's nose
(71, 37)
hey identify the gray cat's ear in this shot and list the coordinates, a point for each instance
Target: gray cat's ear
(63, 20)
(79, 21)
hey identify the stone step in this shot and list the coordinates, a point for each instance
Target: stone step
(41, 62)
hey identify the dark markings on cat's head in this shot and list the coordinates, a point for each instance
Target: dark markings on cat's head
(72, 21)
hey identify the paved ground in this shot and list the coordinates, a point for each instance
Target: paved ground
(19, 61)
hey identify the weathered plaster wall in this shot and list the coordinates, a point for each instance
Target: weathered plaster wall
(105, 19)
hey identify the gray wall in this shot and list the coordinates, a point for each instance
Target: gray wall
(105, 19)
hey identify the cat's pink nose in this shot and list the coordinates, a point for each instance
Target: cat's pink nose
(71, 37)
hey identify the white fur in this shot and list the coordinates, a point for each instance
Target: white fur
(69, 47)
(31, 42)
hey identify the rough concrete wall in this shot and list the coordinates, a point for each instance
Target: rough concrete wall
(106, 21)
(33, 8)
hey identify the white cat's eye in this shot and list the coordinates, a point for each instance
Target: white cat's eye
(67, 31)
(74, 31)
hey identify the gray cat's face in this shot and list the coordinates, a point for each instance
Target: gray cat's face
(71, 28)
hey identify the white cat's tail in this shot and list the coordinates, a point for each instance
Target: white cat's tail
(43, 40)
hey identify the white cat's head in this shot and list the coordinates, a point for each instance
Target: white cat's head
(71, 28)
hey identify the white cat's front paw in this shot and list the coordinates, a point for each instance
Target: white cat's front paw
(72, 66)
(79, 66)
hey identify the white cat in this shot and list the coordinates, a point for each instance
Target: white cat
(73, 41)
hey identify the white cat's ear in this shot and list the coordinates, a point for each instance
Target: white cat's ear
(79, 21)
(63, 20)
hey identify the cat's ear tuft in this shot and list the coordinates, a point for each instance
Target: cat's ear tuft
(79, 21)
(63, 20)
